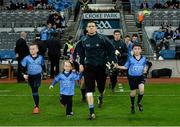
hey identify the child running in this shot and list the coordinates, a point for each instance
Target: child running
(136, 66)
(34, 64)
(67, 80)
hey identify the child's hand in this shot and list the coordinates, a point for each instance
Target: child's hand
(51, 86)
(25, 77)
(81, 68)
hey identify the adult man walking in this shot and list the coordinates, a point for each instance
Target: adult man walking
(94, 49)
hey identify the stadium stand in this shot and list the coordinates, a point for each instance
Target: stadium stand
(12, 22)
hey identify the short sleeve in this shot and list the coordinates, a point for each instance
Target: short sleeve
(127, 63)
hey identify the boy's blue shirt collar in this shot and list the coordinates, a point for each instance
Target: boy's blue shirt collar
(137, 59)
(34, 58)
(67, 74)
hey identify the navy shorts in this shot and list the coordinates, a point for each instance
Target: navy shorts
(34, 80)
(94, 74)
(135, 81)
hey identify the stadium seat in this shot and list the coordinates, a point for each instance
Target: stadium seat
(168, 54)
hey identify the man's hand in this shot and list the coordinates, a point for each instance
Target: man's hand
(81, 68)
(111, 65)
(108, 65)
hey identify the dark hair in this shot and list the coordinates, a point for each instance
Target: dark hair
(34, 43)
(127, 36)
(91, 21)
(137, 45)
(134, 35)
(70, 37)
(116, 31)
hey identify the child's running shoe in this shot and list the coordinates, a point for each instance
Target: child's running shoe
(36, 110)
(132, 109)
(92, 116)
(140, 107)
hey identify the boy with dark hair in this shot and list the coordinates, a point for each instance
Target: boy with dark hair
(67, 83)
(136, 66)
(135, 38)
(35, 66)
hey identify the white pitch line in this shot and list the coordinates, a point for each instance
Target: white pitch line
(5, 91)
(51, 95)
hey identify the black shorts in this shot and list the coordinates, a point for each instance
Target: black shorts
(65, 99)
(92, 74)
(135, 81)
(34, 80)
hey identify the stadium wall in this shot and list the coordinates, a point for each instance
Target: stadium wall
(171, 64)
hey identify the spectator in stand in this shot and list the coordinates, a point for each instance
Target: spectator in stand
(21, 51)
(157, 5)
(57, 20)
(63, 20)
(144, 5)
(12, 5)
(167, 37)
(176, 34)
(167, 4)
(158, 36)
(140, 18)
(23, 5)
(44, 6)
(54, 46)
(30, 7)
(176, 4)
(39, 6)
(17, 5)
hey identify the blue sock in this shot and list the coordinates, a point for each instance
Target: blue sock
(91, 108)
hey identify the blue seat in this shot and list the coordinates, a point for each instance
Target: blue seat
(168, 54)
(6, 54)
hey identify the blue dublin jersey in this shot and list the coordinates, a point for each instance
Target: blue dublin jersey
(136, 67)
(34, 65)
(67, 82)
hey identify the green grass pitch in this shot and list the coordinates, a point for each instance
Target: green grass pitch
(161, 107)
